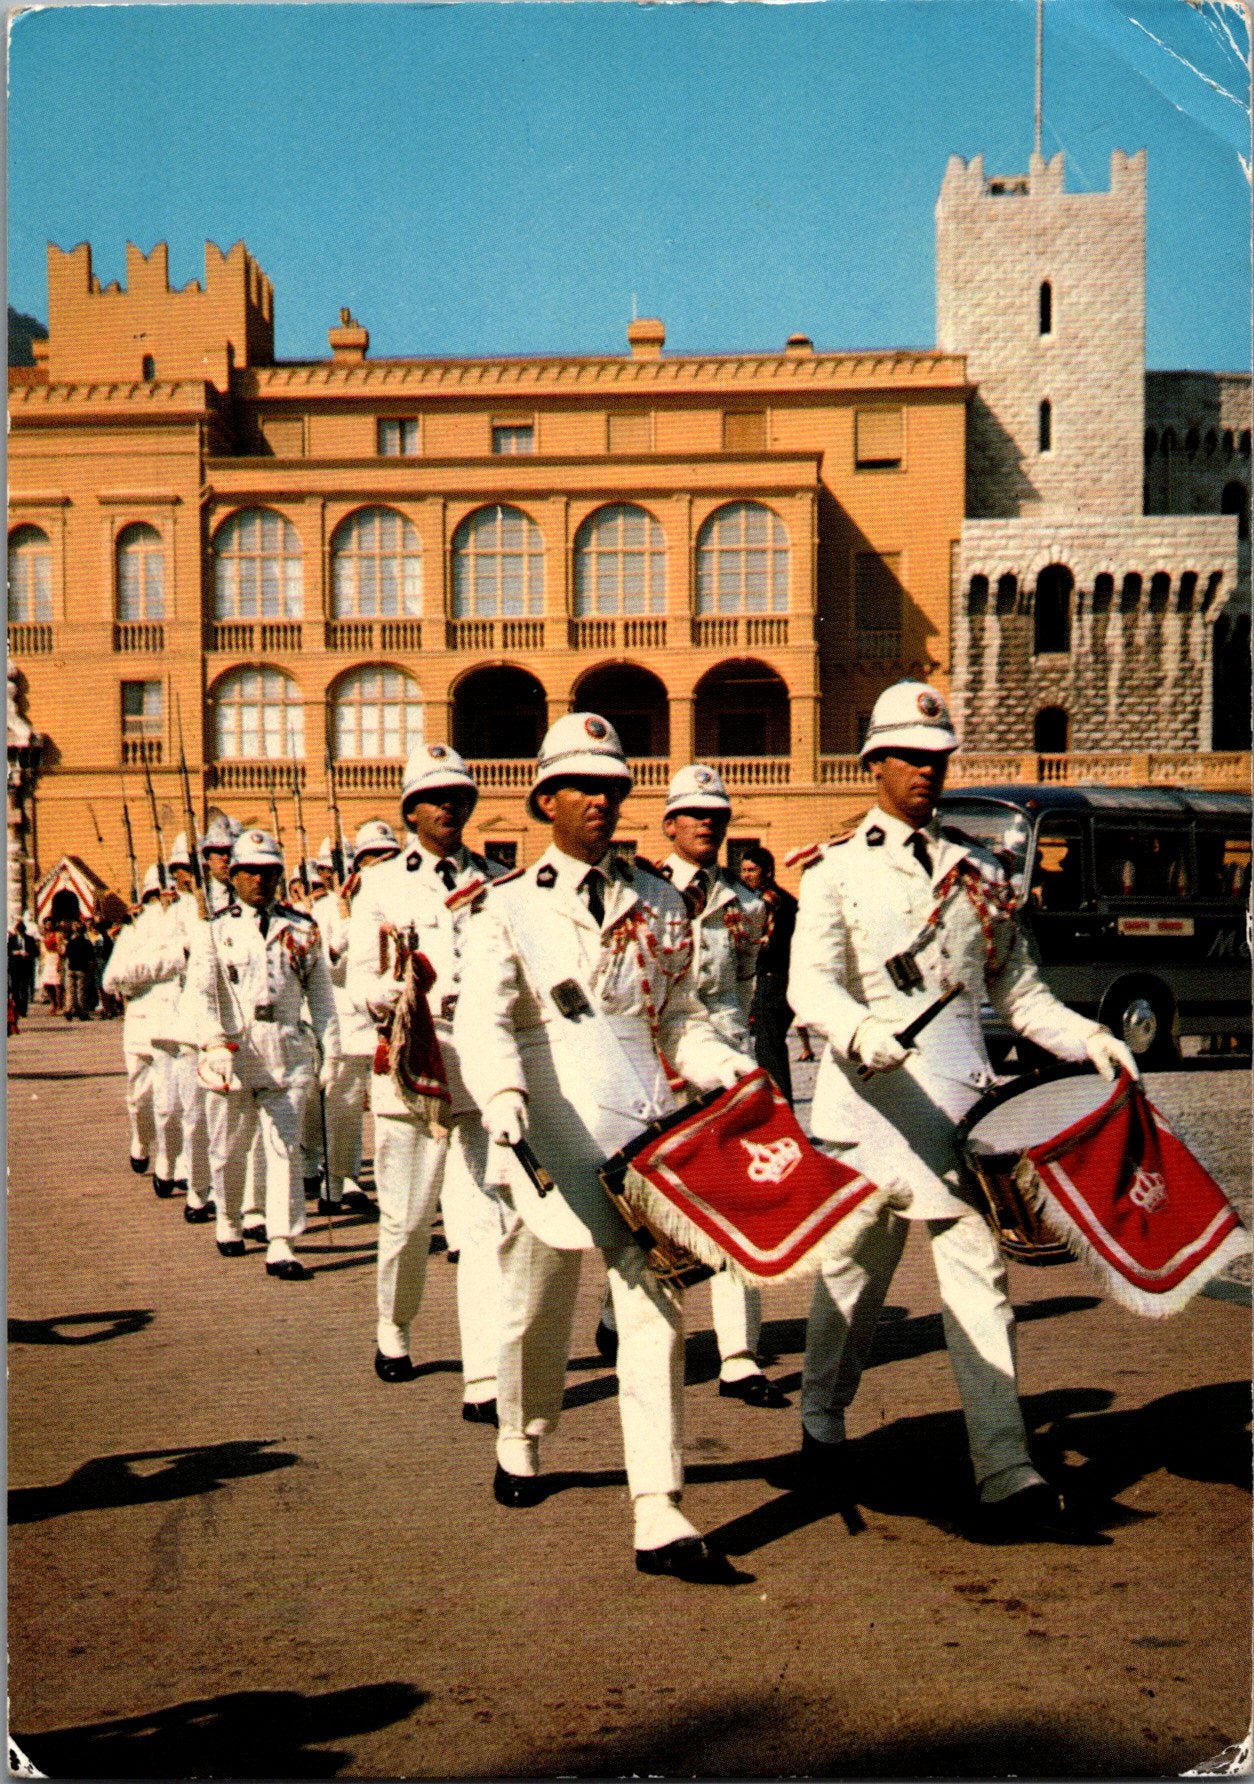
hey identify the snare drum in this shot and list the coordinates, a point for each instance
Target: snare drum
(666, 1257)
(997, 1132)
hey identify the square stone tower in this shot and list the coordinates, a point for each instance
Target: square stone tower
(1043, 290)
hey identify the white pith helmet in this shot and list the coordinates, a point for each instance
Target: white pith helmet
(326, 854)
(151, 885)
(256, 848)
(434, 768)
(578, 744)
(375, 838)
(223, 833)
(179, 856)
(910, 716)
(696, 788)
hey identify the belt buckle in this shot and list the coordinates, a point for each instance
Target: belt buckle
(264, 1013)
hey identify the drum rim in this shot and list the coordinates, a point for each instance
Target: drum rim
(1004, 1093)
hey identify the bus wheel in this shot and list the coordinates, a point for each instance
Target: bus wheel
(1139, 1012)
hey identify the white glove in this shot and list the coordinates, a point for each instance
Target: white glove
(875, 1044)
(215, 1068)
(328, 1070)
(734, 1071)
(1111, 1056)
(505, 1117)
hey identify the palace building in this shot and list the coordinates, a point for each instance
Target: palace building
(264, 565)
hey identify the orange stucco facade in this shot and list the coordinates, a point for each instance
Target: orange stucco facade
(163, 414)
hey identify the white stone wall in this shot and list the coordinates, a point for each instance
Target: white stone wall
(997, 240)
(1130, 681)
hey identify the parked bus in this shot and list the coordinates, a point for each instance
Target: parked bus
(1135, 899)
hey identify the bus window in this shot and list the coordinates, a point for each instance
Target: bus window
(1058, 866)
(1136, 862)
(1223, 861)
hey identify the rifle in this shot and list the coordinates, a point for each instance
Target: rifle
(300, 830)
(274, 814)
(95, 824)
(130, 843)
(337, 834)
(189, 818)
(156, 824)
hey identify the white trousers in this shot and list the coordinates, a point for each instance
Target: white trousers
(539, 1286)
(193, 1164)
(975, 1309)
(255, 1177)
(411, 1168)
(141, 1111)
(235, 1121)
(167, 1113)
(737, 1313)
(346, 1104)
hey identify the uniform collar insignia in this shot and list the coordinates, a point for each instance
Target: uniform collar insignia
(547, 876)
(875, 837)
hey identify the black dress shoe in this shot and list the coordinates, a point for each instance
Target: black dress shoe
(451, 1257)
(393, 1368)
(1033, 1514)
(355, 1202)
(479, 1412)
(517, 1490)
(231, 1247)
(288, 1269)
(256, 1233)
(754, 1390)
(327, 1206)
(606, 1339)
(689, 1559)
(139, 1166)
(198, 1216)
(163, 1187)
(313, 1187)
(180, 1183)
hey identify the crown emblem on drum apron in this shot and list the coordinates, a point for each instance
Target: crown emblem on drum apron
(772, 1163)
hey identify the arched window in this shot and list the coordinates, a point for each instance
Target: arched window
(257, 569)
(258, 714)
(498, 565)
(635, 703)
(1236, 500)
(1052, 610)
(1130, 594)
(1230, 442)
(1188, 591)
(741, 709)
(1007, 593)
(1160, 592)
(620, 563)
(376, 566)
(30, 575)
(376, 712)
(1192, 440)
(1103, 591)
(1047, 307)
(141, 573)
(149, 368)
(1168, 443)
(498, 712)
(1049, 731)
(1045, 426)
(1211, 442)
(977, 595)
(742, 561)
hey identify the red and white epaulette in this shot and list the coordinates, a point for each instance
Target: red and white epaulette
(503, 879)
(464, 895)
(806, 857)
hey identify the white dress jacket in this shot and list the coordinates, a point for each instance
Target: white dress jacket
(863, 901)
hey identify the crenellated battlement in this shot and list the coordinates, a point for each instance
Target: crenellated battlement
(145, 330)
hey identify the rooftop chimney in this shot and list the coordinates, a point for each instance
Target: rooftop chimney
(798, 343)
(350, 341)
(646, 337)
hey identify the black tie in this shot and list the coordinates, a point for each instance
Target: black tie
(263, 920)
(917, 844)
(447, 872)
(590, 886)
(698, 892)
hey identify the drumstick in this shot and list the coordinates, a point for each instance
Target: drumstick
(910, 1033)
(534, 1169)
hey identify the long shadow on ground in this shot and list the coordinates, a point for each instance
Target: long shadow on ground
(243, 1734)
(109, 1481)
(118, 1323)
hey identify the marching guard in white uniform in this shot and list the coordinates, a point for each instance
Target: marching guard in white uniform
(418, 904)
(146, 968)
(728, 924)
(252, 968)
(575, 982)
(345, 1097)
(891, 917)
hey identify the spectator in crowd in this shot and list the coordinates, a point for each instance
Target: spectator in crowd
(21, 975)
(770, 1016)
(80, 972)
(52, 966)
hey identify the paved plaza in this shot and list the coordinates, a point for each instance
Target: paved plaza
(234, 1552)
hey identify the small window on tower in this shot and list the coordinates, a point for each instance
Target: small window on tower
(1047, 308)
(150, 368)
(1045, 426)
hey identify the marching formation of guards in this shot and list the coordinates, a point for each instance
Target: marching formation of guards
(488, 1018)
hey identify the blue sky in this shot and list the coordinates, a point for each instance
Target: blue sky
(505, 178)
